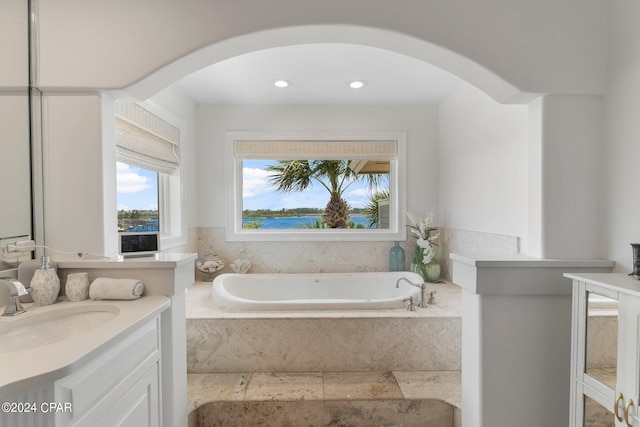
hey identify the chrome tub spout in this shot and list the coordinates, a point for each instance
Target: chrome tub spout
(422, 286)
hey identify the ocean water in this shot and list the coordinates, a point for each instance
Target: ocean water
(296, 221)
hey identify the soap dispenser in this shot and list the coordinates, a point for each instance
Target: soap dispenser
(45, 285)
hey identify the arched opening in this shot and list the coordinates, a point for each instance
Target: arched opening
(466, 69)
(421, 156)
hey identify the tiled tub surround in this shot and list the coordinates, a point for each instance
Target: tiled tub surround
(336, 257)
(219, 340)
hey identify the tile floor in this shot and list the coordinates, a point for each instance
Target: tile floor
(398, 398)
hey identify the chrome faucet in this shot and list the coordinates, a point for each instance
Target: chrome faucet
(420, 286)
(16, 290)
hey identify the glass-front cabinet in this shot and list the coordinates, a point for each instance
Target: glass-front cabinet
(605, 356)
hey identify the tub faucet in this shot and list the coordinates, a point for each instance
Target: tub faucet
(420, 286)
(410, 306)
(16, 290)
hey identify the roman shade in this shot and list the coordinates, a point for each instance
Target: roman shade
(145, 140)
(316, 149)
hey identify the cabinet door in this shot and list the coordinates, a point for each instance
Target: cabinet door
(138, 407)
(628, 361)
(594, 355)
(601, 340)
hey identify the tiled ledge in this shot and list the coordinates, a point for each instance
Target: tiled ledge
(388, 396)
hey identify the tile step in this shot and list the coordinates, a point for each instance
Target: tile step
(277, 399)
(206, 388)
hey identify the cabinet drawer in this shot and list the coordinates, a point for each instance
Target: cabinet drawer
(86, 388)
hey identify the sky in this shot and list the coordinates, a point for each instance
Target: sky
(257, 194)
(137, 188)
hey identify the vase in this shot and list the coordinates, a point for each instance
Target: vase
(77, 287)
(430, 272)
(396, 258)
(636, 260)
(45, 285)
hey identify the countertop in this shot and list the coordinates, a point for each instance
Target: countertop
(44, 364)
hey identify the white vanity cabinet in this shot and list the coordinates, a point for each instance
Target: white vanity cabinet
(605, 362)
(118, 388)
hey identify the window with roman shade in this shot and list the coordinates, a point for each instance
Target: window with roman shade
(367, 152)
(145, 140)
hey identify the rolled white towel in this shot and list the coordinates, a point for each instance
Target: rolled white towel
(105, 288)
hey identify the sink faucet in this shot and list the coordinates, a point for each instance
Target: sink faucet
(16, 290)
(420, 286)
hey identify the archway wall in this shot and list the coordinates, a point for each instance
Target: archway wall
(535, 47)
(513, 51)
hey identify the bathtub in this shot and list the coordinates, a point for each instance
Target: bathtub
(314, 291)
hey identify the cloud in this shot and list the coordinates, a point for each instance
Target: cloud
(129, 181)
(254, 182)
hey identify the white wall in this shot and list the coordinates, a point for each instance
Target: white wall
(621, 151)
(80, 174)
(483, 164)
(420, 124)
(538, 46)
(176, 103)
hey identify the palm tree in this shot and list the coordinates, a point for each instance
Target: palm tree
(372, 208)
(334, 175)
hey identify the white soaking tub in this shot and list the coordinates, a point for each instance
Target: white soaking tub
(315, 291)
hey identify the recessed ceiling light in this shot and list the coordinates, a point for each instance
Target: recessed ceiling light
(281, 83)
(357, 84)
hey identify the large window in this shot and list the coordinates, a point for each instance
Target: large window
(320, 186)
(149, 183)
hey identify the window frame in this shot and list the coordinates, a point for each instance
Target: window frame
(397, 189)
(171, 188)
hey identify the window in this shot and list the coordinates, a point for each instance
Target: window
(137, 198)
(284, 186)
(148, 172)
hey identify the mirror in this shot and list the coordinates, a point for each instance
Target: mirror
(15, 191)
(596, 415)
(602, 339)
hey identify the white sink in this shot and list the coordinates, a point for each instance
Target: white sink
(54, 325)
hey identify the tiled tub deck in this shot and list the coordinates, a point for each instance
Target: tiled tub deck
(381, 367)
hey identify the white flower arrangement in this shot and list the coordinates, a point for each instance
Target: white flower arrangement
(423, 230)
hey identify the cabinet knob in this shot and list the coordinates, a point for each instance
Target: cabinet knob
(627, 407)
(616, 405)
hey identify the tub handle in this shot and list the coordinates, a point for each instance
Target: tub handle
(410, 306)
(432, 299)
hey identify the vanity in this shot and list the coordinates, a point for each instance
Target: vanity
(102, 363)
(605, 350)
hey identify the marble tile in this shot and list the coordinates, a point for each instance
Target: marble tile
(457, 417)
(360, 386)
(442, 343)
(325, 353)
(292, 336)
(427, 413)
(442, 385)
(364, 413)
(285, 386)
(368, 340)
(469, 242)
(204, 388)
(213, 346)
(389, 413)
(294, 257)
(263, 414)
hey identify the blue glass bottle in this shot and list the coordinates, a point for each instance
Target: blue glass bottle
(396, 258)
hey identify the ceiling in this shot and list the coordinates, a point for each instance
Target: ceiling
(320, 74)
